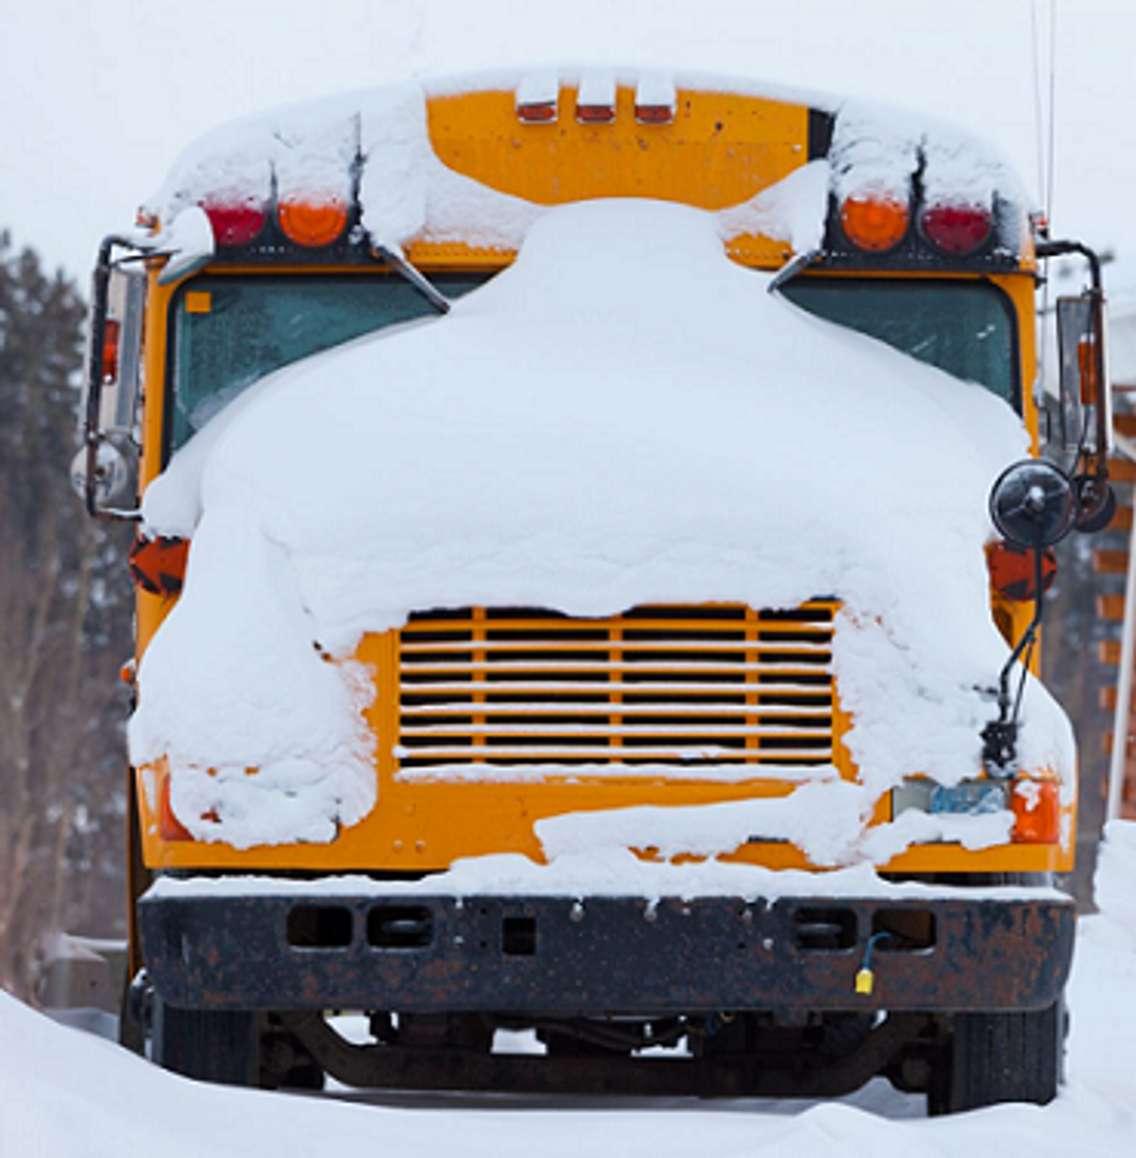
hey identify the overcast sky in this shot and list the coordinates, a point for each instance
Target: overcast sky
(99, 97)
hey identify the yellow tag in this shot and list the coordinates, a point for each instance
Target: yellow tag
(198, 302)
(865, 979)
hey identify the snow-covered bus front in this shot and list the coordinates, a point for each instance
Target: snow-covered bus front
(568, 597)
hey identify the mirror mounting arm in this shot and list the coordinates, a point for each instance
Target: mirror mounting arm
(999, 737)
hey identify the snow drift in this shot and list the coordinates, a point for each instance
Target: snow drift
(68, 1094)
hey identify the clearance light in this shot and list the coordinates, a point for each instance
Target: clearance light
(537, 113)
(655, 100)
(874, 224)
(595, 114)
(595, 99)
(111, 331)
(312, 223)
(234, 224)
(1037, 812)
(956, 230)
(537, 95)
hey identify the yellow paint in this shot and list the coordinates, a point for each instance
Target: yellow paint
(722, 149)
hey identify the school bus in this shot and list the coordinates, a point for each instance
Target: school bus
(238, 953)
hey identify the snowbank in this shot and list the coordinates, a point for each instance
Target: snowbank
(66, 1094)
(622, 417)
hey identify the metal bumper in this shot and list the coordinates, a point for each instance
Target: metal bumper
(602, 955)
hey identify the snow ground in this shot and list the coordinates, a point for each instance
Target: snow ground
(64, 1093)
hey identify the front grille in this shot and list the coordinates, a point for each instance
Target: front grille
(482, 689)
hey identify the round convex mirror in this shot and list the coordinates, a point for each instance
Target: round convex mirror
(1032, 503)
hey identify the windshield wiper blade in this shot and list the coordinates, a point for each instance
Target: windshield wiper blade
(791, 268)
(413, 276)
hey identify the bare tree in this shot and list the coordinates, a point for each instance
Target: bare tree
(64, 620)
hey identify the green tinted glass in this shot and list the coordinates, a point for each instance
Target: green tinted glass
(964, 328)
(229, 332)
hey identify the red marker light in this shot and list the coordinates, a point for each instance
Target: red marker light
(234, 224)
(111, 331)
(956, 230)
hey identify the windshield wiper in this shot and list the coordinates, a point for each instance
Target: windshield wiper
(791, 268)
(416, 279)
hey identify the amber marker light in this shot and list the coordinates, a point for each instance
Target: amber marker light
(1036, 805)
(169, 827)
(312, 223)
(874, 224)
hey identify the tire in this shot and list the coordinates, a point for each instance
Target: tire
(999, 1057)
(208, 1044)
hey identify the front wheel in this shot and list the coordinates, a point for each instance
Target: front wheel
(999, 1057)
(208, 1044)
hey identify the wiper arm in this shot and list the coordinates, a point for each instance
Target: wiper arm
(412, 276)
(791, 268)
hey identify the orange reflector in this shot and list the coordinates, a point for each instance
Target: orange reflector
(312, 224)
(1037, 812)
(874, 224)
(169, 827)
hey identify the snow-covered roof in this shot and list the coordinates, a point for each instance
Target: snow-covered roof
(384, 150)
(624, 416)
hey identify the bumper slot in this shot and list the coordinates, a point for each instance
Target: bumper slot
(319, 927)
(825, 930)
(400, 927)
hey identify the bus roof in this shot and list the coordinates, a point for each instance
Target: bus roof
(462, 166)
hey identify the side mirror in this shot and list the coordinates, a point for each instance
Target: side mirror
(1083, 385)
(103, 470)
(110, 477)
(1033, 504)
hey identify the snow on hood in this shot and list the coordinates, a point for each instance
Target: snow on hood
(624, 416)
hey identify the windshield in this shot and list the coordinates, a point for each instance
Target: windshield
(228, 332)
(964, 328)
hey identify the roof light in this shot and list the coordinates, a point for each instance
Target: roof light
(234, 223)
(537, 95)
(312, 223)
(874, 224)
(655, 100)
(957, 230)
(595, 100)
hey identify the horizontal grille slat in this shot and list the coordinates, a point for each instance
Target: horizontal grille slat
(584, 708)
(686, 688)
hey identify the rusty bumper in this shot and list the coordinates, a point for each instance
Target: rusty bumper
(603, 955)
